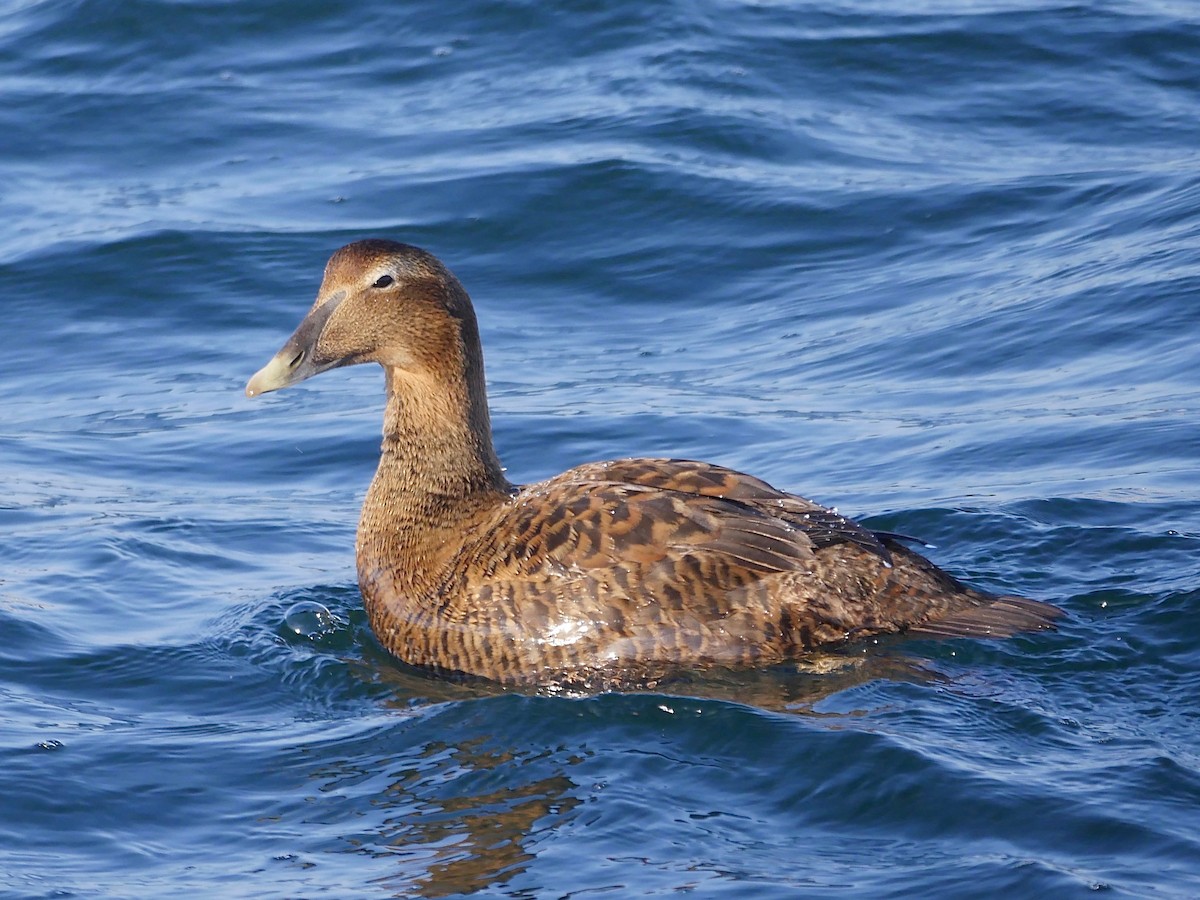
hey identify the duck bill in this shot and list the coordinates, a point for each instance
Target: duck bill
(298, 359)
(286, 368)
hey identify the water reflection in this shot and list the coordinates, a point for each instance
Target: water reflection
(454, 830)
(795, 687)
(459, 817)
(799, 687)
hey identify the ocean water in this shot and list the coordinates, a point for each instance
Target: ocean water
(936, 263)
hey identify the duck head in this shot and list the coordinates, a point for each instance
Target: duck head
(380, 301)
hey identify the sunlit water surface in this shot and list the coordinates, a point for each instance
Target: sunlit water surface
(938, 267)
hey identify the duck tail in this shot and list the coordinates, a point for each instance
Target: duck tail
(998, 616)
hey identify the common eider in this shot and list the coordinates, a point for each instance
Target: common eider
(609, 574)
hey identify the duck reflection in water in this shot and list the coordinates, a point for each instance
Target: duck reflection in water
(461, 818)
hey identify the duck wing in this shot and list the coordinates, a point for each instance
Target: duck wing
(581, 575)
(823, 526)
(568, 525)
(643, 562)
(588, 573)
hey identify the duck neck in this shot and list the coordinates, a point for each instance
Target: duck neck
(438, 474)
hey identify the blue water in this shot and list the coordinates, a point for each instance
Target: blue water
(938, 267)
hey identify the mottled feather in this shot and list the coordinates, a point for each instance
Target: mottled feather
(610, 574)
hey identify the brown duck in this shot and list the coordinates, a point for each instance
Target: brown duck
(610, 574)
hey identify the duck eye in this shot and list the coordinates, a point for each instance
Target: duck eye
(383, 281)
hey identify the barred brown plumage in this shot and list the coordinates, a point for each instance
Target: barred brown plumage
(609, 574)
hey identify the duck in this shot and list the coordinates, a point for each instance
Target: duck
(611, 574)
